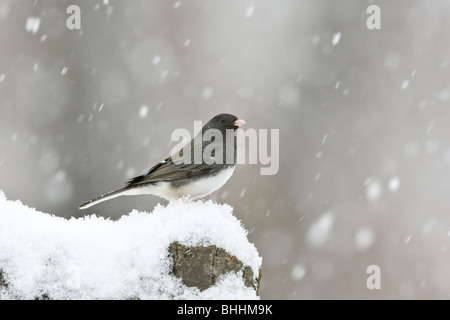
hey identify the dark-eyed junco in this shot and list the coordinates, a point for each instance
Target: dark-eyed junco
(198, 169)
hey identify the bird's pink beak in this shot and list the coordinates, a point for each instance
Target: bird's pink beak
(239, 122)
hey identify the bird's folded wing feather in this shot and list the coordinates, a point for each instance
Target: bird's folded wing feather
(184, 167)
(168, 170)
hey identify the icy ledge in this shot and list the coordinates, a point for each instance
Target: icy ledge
(95, 258)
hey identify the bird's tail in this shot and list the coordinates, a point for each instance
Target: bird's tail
(105, 197)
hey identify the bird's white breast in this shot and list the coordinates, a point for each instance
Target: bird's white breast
(202, 187)
(198, 188)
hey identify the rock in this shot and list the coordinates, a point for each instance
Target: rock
(2, 281)
(201, 266)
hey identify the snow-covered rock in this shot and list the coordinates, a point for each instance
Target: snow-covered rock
(42, 255)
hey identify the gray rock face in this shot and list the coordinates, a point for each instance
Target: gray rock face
(201, 266)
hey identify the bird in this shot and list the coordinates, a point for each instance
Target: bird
(184, 173)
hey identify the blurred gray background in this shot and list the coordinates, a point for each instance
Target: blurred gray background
(363, 117)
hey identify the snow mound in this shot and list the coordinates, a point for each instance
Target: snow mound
(97, 258)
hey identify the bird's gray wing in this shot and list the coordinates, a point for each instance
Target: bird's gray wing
(181, 166)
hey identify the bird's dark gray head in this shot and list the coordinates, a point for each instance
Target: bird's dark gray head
(223, 122)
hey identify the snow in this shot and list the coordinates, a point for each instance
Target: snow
(97, 258)
(336, 38)
(319, 232)
(156, 60)
(130, 172)
(407, 239)
(298, 272)
(32, 24)
(428, 226)
(374, 189)
(394, 184)
(337, 85)
(143, 111)
(364, 238)
(164, 74)
(207, 92)
(405, 84)
(249, 11)
(59, 188)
